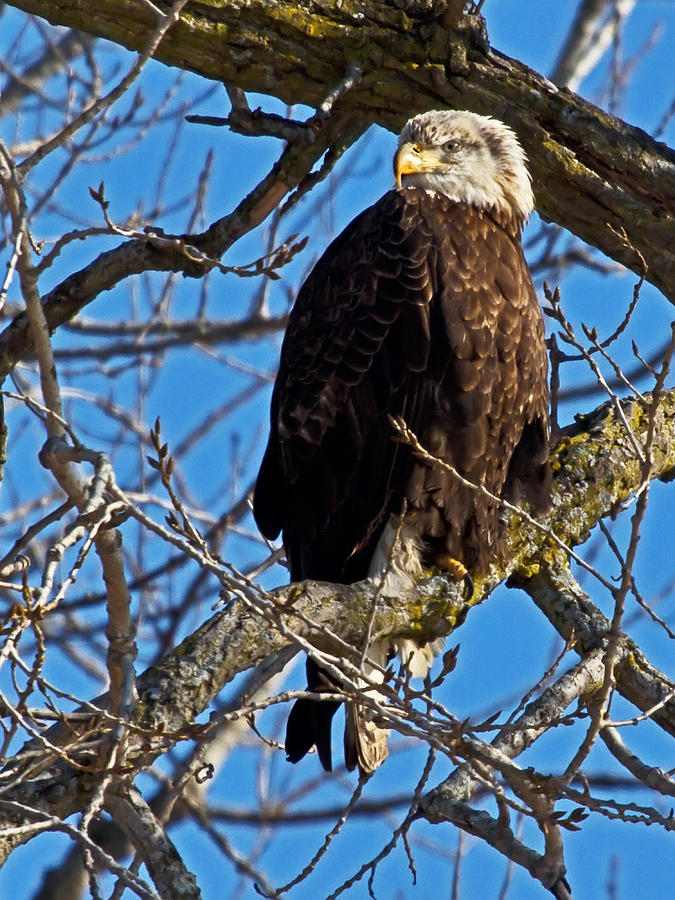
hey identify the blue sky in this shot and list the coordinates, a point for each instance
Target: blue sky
(532, 31)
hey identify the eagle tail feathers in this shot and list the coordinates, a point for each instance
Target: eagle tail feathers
(309, 722)
(365, 743)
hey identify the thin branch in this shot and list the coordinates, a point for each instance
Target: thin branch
(166, 21)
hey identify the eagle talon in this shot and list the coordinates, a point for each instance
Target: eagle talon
(295, 592)
(458, 571)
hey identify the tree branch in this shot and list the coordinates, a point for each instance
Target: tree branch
(595, 468)
(593, 173)
(168, 871)
(569, 609)
(330, 137)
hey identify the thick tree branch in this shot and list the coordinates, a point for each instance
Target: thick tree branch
(515, 738)
(256, 626)
(168, 871)
(568, 607)
(355, 63)
(593, 174)
(492, 831)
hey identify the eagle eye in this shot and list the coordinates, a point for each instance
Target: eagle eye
(451, 146)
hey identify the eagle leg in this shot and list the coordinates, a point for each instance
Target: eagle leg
(458, 571)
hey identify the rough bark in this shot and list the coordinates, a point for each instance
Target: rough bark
(174, 693)
(593, 173)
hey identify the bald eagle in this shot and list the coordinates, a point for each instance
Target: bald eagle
(424, 309)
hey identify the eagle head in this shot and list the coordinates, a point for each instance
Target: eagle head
(470, 158)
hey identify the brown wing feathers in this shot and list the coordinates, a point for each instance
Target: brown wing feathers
(423, 308)
(489, 366)
(357, 339)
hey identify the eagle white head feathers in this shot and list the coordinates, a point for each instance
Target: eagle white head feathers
(423, 309)
(469, 158)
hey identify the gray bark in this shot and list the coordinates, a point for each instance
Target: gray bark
(593, 174)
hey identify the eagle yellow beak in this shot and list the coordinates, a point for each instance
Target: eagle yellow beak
(411, 158)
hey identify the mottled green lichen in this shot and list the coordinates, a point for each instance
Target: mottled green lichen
(565, 157)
